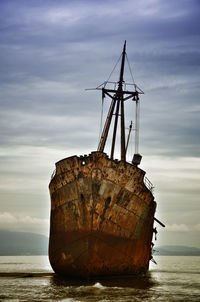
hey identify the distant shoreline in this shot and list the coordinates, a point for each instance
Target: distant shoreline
(26, 275)
(31, 244)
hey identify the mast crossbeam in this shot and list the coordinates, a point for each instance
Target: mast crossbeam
(119, 95)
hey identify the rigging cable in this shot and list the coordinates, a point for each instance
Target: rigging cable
(113, 68)
(137, 117)
(102, 105)
(130, 69)
(101, 121)
(137, 113)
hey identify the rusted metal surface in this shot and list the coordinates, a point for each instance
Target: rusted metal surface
(101, 217)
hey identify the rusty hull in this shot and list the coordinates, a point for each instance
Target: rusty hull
(101, 217)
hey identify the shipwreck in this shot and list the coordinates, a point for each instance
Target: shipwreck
(102, 208)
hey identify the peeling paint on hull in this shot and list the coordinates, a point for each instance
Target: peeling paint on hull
(101, 217)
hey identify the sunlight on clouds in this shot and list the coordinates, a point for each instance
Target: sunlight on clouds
(9, 218)
(182, 228)
(30, 167)
(177, 227)
(21, 222)
(185, 168)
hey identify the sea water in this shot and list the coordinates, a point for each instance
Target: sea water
(30, 278)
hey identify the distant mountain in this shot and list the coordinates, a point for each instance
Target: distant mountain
(21, 243)
(176, 250)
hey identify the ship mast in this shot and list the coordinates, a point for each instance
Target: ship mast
(120, 103)
(118, 96)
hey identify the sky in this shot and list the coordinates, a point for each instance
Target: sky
(50, 52)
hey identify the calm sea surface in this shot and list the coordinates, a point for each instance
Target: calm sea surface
(30, 278)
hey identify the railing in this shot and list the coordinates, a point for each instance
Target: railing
(148, 184)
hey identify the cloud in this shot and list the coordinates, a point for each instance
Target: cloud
(176, 174)
(45, 71)
(197, 227)
(182, 228)
(10, 218)
(20, 222)
(52, 50)
(177, 227)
